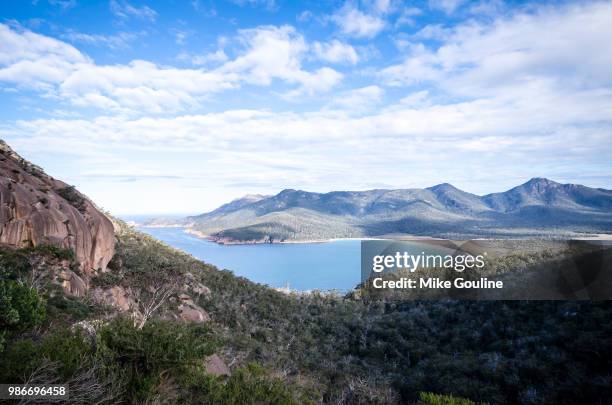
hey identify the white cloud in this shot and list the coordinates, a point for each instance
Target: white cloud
(34, 60)
(433, 31)
(276, 53)
(120, 40)
(218, 56)
(268, 4)
(488, 7)
(266, 54)
(124, 11)
(382, 6)
(271, 52)
(518, 55)
(407, 122)
(407, 16)
(63, 4)
(358, 100)
(180, 35)
(141, 86)
(304, 16)
(321, 80)
(335, 52)
(416, 99)
(356, 23)
(447, 6)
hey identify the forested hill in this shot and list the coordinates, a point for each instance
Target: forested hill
(537, 207)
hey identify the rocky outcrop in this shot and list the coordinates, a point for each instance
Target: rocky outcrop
(190, 312)
(214, 365)
(116, 297)
(36, 209)
(72, 284)
(191, 283)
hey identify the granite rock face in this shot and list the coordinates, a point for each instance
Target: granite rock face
(36, 209)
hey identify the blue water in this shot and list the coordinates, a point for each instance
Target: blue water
(303, 266)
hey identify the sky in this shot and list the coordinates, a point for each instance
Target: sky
(181, 106)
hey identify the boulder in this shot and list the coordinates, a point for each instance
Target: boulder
(195, 286)
(115, 296)
(216, 366)
(192, 313)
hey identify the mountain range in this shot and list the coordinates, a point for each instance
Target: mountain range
(539, 207)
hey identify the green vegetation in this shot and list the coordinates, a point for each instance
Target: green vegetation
(428, 398)
(53, 251)
(341, 347)
(292, 224)
(21, 308)
(114, 360)
(306, 348)
(247, 385)
(71, 195)
(266, 232)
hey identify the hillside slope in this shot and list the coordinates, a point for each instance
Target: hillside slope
(538, 207)
(316, 348)
(159, 326)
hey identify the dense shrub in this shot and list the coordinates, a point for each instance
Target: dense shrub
(21, 308)
(159, 348)
(53, 251)
(71, 195)
(72, 308)
(64, 346)
(247, 385)
(428, 398)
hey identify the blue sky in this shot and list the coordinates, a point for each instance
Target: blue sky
(180, 106)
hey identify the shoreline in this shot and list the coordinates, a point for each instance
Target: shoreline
(400, 237)
(202, 235)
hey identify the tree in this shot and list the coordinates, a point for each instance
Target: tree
(21, 308)
(153, 296)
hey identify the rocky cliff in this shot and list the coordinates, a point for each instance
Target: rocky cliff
(36, 209)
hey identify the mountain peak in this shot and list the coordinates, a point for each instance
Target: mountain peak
(540, 181)
(252, 197)
(442, 187)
